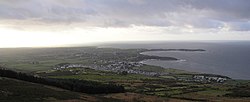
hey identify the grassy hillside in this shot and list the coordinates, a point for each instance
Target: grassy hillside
(12, 90)
(100, 65)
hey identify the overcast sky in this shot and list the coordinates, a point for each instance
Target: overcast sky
(58, 22)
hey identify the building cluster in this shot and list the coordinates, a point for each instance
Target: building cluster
(124, 65)
(117, 67)
(65, 66)
(204, 78)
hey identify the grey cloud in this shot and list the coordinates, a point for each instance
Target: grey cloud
(225, 8)
(201, 14)
(239, 26)
(58, 10)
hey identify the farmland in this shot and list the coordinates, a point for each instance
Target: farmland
(116, 66)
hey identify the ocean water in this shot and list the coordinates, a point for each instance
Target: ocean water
(225, 58)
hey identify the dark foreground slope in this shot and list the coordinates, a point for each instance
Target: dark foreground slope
(12, 90)
(15, 90)
(90, 87)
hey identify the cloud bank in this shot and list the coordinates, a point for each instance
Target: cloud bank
(25, 23)
(228, 17)
(216, 14)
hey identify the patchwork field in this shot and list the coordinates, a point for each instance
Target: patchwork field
(116, 66)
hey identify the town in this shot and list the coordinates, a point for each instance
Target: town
(113, 66)
(208, 79)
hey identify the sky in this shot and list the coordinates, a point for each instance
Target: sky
(43, 23)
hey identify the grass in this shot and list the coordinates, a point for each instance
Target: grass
(164, 86)
(168, 77)
(43, 65)
(157, 86)
(139, 86)
(12, 90)
(105, 78)
(95, 75)
(238, 82)
(162, 70)
(150, 68)
(209, 95)
(19, 91)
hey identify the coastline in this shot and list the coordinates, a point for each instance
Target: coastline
(151, 57)
(180, 60)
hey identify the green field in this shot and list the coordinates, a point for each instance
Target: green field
(162, 86)
(170, 85)
(14, 90)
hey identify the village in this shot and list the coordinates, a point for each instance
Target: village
(122, 67)
(208, 79)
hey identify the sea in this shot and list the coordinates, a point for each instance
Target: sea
(229, 58)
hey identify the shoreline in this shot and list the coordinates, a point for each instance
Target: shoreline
(179, 60)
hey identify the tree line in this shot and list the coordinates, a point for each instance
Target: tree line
(90, 87)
